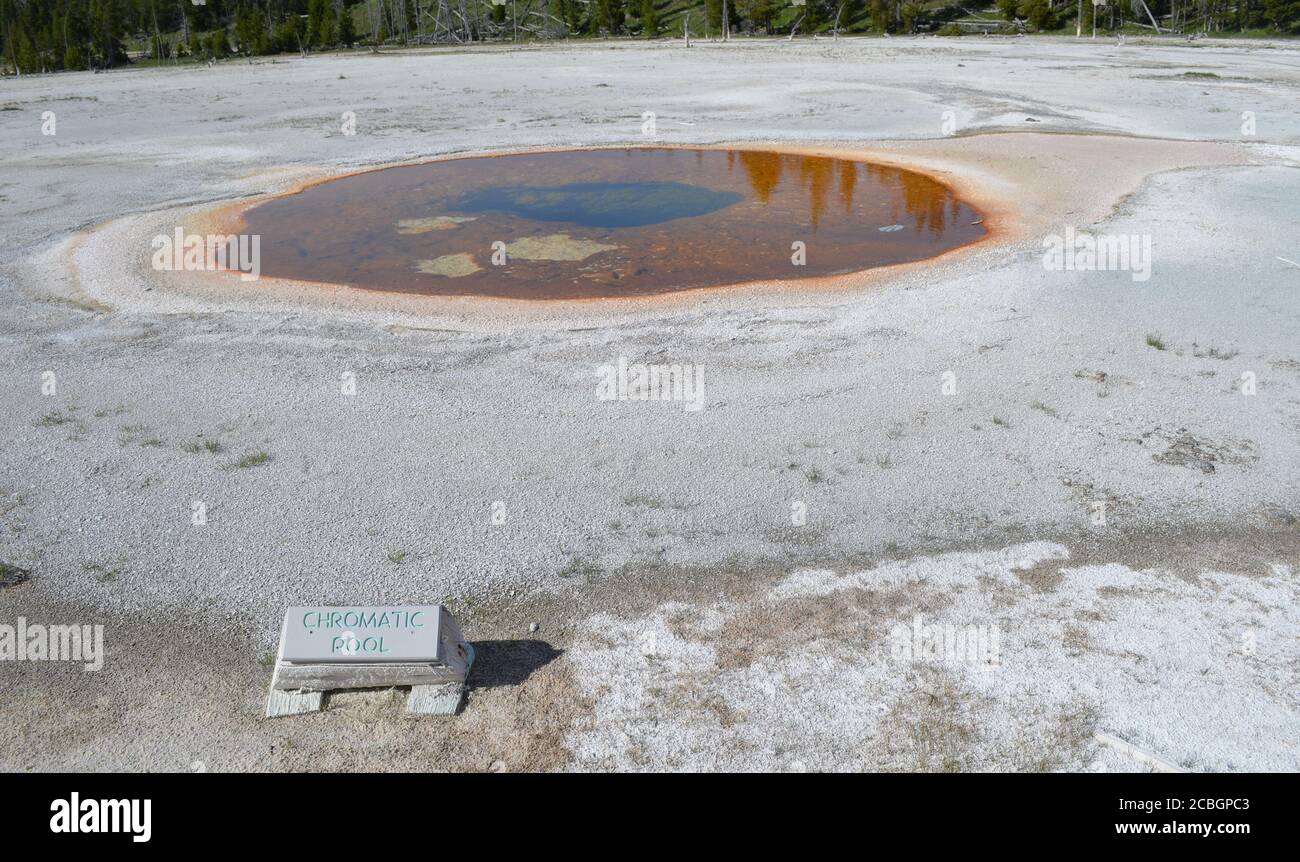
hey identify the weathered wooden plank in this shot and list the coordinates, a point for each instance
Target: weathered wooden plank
(442, 699)
(327, 677)
(435, 699)
(1116, 744)
(292, 702)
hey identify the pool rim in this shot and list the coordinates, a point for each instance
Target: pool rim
(228, 218)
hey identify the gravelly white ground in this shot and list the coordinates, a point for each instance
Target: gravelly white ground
(833, 404)
(1143, 655)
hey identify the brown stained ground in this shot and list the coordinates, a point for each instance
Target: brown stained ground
(181, 693)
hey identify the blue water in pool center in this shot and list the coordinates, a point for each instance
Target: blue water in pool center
(608, 205)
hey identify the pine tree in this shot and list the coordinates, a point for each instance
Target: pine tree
(26, 58)
(217, 45)
(759, 12)
(1038, 13)
(573, 17)
(816, 16)
(879, 16)
(315, 19)
(329, 23)
(1283, 14)
(52, 35)
(612, 15)
(649, 19)
(347, 32)
(912, 15)
(288, 34)
(713, 15)
(248, 25)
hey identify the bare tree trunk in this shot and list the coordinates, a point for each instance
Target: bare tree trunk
(1143, 4)
(157, 34)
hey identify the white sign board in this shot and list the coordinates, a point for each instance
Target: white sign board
(371, 635)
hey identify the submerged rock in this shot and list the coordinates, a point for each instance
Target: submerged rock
(450, 265)
(556, 246)
(409, 226)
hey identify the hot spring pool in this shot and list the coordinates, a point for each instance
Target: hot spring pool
(607, 223)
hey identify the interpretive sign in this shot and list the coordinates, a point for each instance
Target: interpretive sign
(365, 634)
(328, 648)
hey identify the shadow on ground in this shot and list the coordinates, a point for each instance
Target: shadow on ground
(501, 663)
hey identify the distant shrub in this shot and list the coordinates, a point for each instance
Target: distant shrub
(1038, 13)
(912, 14)
(216, 44)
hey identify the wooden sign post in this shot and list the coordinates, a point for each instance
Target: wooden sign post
(327, 648)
